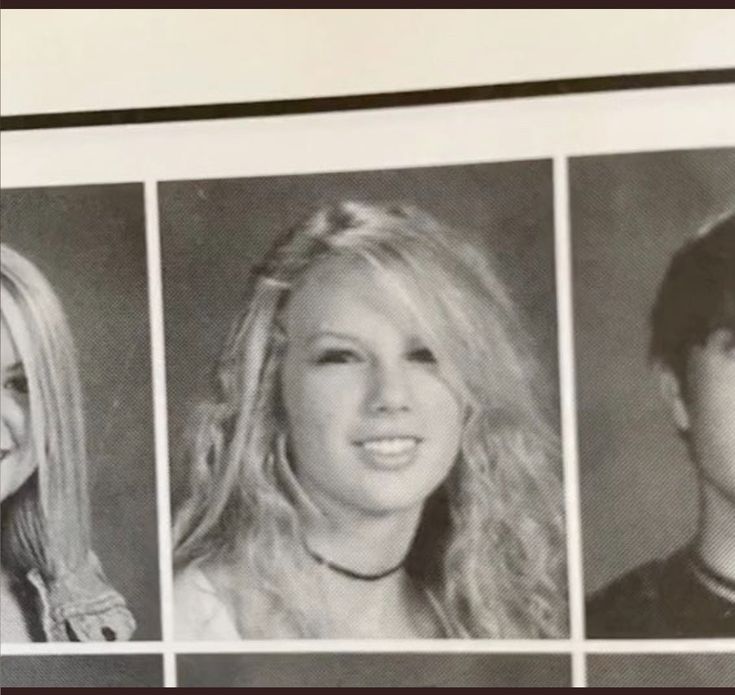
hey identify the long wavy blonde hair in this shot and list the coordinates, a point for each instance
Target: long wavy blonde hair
(45, 524)
(490, 545)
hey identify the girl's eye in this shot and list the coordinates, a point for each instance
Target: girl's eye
(337, 357)
(17, 383)
(422, 355)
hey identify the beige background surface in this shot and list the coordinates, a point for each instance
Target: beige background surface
(72, 60)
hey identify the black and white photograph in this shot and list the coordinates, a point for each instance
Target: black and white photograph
(79, 528)
(363, 383)
(367, 348)
(653, 243)
(373, 670)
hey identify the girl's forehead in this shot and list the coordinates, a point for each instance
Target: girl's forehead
(350, 294)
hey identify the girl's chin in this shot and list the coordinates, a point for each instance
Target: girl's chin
(382, 506)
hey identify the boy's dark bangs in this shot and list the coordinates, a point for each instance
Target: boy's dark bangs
(696, 297)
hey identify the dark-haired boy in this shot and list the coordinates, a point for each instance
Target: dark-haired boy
(691, 593)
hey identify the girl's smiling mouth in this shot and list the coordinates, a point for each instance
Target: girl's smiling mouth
(390, 452)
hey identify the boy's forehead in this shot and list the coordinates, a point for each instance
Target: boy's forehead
(722, 338)
(718, 348)
(710, 367)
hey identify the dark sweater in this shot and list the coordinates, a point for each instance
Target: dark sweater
(663, 598)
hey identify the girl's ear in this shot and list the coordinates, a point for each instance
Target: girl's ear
(672, 393)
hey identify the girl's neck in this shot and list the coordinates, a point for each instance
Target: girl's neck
(363, 544)
(390, 608)
(716, 539)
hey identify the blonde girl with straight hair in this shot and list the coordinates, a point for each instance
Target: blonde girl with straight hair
(53, 587)
(380, 459)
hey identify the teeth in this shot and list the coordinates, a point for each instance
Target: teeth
(390, 447)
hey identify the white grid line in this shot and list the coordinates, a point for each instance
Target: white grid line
(378, 646)
(661, 646)
(579, 667)
(158, 361)
(565, 320)
(81, 648)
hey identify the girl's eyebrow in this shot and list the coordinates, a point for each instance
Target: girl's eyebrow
(314, 337)
(350, 338)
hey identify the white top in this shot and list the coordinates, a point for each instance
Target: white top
(200, 615)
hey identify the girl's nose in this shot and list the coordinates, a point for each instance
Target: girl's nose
(389, 388)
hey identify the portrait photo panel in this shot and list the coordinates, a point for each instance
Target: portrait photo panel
(653, 236)
(214, 232)
(661, 670)
(83, 671)
(447, 272)
(89, 352)
(373, 670)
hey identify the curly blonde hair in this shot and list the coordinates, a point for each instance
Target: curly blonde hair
(490, 544)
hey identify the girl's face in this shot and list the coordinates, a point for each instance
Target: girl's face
(373, 425)
(17, 462)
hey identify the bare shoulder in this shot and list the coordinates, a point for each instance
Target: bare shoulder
(199, 612)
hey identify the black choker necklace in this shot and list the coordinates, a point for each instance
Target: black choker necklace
(350, 573)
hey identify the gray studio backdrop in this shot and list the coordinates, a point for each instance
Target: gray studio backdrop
(373, 670)
(89, 241)
(629, 213)
(82, 671)
(214, 231)
(661, 670)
